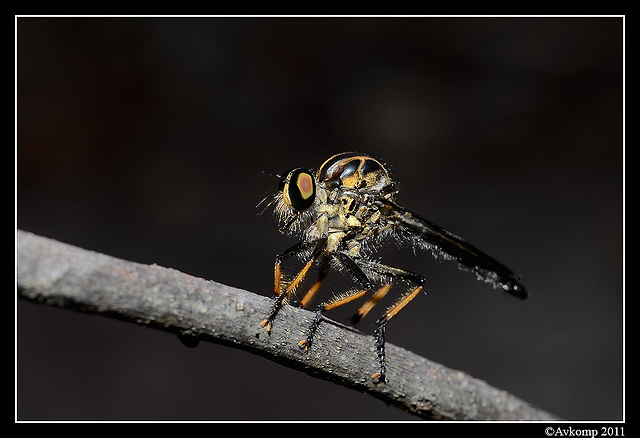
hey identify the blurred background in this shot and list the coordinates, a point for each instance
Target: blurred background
(153, 140)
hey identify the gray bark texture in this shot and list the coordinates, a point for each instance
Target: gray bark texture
(57, 274)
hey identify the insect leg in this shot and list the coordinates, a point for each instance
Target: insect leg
(294, 250)
(366, 307)
(353, 269)
(281, 295)
(324, 269)
(359, 275)
(332, 304)
(381, 323)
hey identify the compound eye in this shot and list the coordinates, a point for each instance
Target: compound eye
(299, 188)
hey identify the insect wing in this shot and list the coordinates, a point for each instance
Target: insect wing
(446, 245)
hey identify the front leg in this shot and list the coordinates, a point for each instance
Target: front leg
(281, 295)
(277, 303)
(293, 251)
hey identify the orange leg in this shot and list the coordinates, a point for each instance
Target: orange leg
(298, 279)
(366, 307)
(268, 322)
(339, 301)
(323, 270)
(390, 313)
(380, 376)
(332, 304)
(307, 297)
(277, 279)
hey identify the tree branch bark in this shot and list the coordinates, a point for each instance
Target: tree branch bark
(62, 275)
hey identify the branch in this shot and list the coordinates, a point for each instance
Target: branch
(61, 275)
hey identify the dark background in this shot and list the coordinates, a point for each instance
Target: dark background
(146, 139)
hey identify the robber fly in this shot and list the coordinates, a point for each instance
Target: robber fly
(339, 213)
